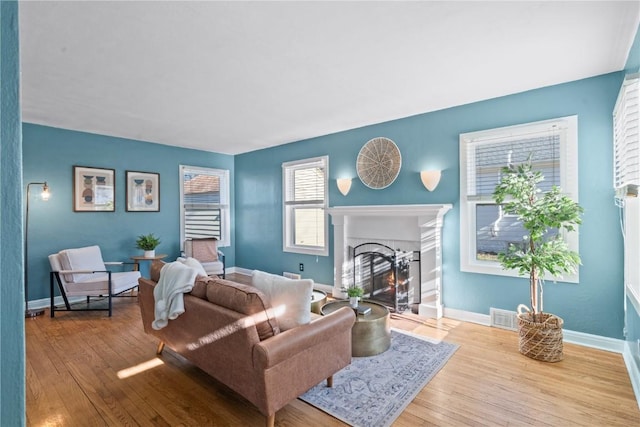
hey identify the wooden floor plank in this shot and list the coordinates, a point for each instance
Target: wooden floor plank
(74, 362)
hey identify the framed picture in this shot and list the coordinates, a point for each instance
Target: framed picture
(94, 189)
(143, 191)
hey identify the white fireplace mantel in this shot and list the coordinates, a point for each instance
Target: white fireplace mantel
(415, 225)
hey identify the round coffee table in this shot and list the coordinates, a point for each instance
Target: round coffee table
(371, 334)
(318, 299)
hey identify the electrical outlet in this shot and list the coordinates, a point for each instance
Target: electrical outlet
(301, 267)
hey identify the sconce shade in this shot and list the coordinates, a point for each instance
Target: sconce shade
(344, 185)
(430, 179)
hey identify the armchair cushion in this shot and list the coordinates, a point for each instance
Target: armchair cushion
(215, 267)
(88, 258)
(205, 250)
(290, 299)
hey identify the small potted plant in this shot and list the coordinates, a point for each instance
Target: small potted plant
(540, 252)
(148, 243)
(354, 292)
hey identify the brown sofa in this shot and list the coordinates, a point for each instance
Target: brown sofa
(228, 330)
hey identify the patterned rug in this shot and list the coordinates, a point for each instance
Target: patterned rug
(373, 391)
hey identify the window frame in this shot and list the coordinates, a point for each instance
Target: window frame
(568, 128)
(224, 205)
(288, 208)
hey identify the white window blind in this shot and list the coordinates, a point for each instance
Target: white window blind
(626, 134)
(487, 158)
(305, 203)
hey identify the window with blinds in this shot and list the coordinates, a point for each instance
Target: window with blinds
(305, 204)
(204, 204)
(485, 230)
(626, 135)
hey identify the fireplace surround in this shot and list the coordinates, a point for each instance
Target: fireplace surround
(408, 228)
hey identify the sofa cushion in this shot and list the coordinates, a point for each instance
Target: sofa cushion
(290, 299)
(244, 299)
(200, 286)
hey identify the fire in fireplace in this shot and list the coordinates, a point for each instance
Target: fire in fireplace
(384, 274)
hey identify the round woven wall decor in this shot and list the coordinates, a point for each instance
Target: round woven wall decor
(378, 163)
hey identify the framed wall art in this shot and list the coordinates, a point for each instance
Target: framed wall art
(94, 189)
(143, 191)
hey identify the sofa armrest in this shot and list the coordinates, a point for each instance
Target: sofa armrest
(281, 347)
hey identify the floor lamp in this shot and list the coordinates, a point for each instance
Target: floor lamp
(44, 196)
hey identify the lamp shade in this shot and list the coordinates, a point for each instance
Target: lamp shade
(430, 179)
(45, 192)
(344, 185)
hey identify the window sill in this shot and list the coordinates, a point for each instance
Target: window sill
(496, 269)
(306, 251)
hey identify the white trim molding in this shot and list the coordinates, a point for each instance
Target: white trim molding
(571, 337)
(632, 369)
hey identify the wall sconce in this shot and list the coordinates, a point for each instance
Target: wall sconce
(344, 185)
(430, 179)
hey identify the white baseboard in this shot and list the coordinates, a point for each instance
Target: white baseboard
(240, 270)
(467, 316)
(573, 337)
(594, 341)
(46, 302)
(632, 369)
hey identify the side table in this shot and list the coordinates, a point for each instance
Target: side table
(140, 259)
(371, 334)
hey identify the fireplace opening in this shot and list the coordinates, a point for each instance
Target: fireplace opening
(384, 274)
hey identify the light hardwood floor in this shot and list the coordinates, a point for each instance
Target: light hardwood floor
(79, 373)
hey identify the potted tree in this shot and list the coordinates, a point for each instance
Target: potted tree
(543, 251)
(148, 243)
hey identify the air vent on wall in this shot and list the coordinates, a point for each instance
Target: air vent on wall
(504, 319)
(626, 135)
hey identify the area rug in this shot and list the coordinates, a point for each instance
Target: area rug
(373, 391)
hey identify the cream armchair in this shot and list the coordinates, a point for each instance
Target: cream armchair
(206, 251)
(82, 272)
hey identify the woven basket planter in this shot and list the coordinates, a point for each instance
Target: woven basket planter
(540, 340)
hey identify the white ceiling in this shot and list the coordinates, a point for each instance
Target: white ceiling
(233, 77)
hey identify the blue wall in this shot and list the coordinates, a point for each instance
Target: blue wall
(50, 154)
(12, 349)
(595, 305)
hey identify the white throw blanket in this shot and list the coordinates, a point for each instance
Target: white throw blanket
(175, 280)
